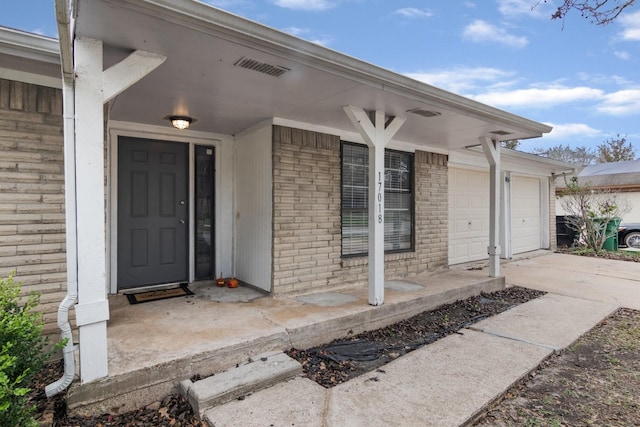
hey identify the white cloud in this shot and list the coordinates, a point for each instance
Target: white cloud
(481, 31)
(462, 80)
(412, 12)
(572, 131)
(39, 31)
(305, 33)
(305, 4)
(514, 7)
(625, 56)
(621, 103)
(499, 88)
(631, 26)
(226, 4)
(539, 97)
(604, 79)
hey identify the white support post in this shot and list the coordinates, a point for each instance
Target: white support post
(376, 219)
(492, 152)
(125, 73)
(92, 286)
(505, 209)
(377, 135)
(93, 87)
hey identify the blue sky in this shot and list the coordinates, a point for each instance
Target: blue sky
(580, 78)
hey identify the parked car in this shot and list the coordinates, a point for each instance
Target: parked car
(629, 235)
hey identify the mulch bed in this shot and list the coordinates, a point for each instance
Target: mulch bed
(328, 365)
(343, 359)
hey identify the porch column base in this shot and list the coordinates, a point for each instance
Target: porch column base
(494, 260)
(93, 351)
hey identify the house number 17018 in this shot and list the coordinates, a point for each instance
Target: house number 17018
(380, 218)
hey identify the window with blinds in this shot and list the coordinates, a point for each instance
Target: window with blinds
(398, 195)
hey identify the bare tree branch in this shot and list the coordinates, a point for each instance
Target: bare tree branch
(599, 12)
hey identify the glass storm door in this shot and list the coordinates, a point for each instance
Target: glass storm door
(204, 212)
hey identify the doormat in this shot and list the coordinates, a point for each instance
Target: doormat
(181, 291)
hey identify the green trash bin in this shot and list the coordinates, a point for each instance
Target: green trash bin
(611, 242)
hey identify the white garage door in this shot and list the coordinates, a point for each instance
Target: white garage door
(525, 214)
(468, 215)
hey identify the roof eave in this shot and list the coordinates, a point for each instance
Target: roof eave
(199, 13)
(29, 45)
(556, 166)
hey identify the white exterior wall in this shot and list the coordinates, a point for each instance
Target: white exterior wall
(632, 199)
(525, 217)
(254, 209)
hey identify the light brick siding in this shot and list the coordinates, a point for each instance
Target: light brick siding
(32, 221)
(306, 208)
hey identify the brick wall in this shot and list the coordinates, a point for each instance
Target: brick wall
(306, 209)
(306, 228)
(32, 221)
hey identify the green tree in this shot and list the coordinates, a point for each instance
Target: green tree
(616, 149)
(581, 156)
(600, 12)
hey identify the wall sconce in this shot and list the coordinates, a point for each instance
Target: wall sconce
(181, 122)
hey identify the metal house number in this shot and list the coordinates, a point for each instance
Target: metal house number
(380, 198)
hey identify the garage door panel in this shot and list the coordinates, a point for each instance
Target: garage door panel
(468, 215)
(525, 214)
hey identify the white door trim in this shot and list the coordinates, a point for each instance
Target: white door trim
(135, 130)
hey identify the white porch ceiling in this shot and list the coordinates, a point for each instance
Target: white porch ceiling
(199, 78)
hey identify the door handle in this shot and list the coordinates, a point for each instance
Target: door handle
(182, 221)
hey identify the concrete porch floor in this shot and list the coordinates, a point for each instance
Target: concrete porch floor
(155, 345)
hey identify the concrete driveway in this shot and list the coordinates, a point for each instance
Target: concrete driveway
(595, 279)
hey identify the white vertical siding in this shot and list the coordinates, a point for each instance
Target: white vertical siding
(253, 217)
(224, 208)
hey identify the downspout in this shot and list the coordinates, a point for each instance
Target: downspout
(68, 99)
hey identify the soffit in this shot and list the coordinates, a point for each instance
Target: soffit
(199, 78)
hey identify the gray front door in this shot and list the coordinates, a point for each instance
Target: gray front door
(152, 212)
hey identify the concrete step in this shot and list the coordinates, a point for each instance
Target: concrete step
(262, 371)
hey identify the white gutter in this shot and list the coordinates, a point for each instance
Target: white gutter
(63, 14)
(29, 45)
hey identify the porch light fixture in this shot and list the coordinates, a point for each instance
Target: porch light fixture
(181, 122)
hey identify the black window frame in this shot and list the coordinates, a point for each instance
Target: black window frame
(362, 211)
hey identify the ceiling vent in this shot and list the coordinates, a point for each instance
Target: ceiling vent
(424, 113)
(261, 67)
(500, 132)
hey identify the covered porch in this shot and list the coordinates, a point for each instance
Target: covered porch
(155, 345)
(130, 66)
